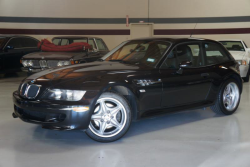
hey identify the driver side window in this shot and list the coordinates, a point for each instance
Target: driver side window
(190, 52)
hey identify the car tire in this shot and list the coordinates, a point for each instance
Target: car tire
(111, 118)
(228, 98)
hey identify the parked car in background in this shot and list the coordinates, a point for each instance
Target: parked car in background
(12, 49)
(241, 53)
(139, 78)
(39, 61)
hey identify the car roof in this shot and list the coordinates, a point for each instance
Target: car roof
(74, 37)
(11, 36)
(229, 40)
(174, 40)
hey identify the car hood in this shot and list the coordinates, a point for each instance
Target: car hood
(238, 55)
(95, 71)
(52, 55)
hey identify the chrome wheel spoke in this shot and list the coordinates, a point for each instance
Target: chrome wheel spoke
(231, 96)
(115, 123)
(96, 117)
(114, 111)
(103, 126)
(103, 106)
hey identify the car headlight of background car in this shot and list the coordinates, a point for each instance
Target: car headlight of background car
(27, 63)
(63, 63)
(65, 95)
(242, 62)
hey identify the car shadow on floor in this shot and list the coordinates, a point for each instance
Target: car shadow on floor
(68, 140)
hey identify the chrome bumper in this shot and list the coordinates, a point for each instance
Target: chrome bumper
(244, 70)
(32, 69)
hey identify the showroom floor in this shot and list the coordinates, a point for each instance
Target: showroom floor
(194, 138)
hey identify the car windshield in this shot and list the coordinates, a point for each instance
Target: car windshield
(145, 52)
(2, 39)
(233, 45)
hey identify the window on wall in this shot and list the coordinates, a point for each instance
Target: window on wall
(214, 53)
(183, 53)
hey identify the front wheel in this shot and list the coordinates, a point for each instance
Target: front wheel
(228, 98)
(111, 118)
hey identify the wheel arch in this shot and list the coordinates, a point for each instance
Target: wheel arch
(237, 78)
(125, 91)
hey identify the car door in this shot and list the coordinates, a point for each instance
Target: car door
(216, 59)
(15, 49)
(13, 52)
(184, 85)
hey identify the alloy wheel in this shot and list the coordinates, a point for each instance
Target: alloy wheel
(109, 117)
(231, 96)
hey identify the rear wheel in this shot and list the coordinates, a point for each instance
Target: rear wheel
(228, 98)
(111, 118)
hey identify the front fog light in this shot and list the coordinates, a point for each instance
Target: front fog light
(67, 95)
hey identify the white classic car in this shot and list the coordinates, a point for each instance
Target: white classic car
(241, 54)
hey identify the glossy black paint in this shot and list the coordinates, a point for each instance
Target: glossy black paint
(10, 56)
(170, 89)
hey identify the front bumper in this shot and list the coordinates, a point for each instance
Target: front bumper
(244, 70)
(51, 115)
(33, 69)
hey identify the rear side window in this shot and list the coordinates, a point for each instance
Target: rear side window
(65, 42)
(214, 54)
(16, 43)
(56, 41)
(29, 42)
(100, 44)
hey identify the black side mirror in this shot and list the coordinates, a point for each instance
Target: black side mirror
(8, 48)
(185, 64)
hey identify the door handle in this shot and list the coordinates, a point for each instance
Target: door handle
(204, 74)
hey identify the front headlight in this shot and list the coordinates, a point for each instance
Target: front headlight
(30, 63)
(25, 63)
(242, 62)
(63, 63)
(66, 95)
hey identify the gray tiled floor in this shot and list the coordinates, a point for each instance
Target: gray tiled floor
(194, 138)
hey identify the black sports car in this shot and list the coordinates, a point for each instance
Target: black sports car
(139, 78)
(12, 49)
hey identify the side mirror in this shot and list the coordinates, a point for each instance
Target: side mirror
(185, 64)
(8, 48)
